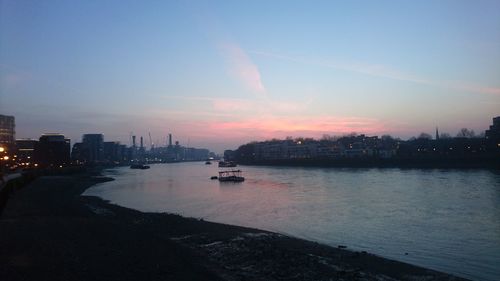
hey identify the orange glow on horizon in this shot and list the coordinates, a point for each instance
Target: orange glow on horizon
(281, 127)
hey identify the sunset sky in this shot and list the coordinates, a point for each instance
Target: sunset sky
(217, 74)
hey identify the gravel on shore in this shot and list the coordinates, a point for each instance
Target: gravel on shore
(49, 231)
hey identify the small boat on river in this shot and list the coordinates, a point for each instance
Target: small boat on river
(231, 175)
(224, 164)
(139, 166)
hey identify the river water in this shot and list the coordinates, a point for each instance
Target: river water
(448, 220)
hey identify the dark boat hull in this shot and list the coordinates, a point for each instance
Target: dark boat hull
(139, 166)
(232, 178)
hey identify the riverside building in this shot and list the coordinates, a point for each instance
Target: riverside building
(52, 150)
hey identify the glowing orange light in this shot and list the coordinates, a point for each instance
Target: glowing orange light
(6, 158)
(2, 149)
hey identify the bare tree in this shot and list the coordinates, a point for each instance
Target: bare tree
(327, 137)
(445, 136)
(466, 133)
(387, 137)
(424, 136)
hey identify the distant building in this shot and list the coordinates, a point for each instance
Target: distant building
(113, 152)
(7, 132)
(195, 154)
(494, 132)
(125, 153)
(93, 148)
(25, 150)
(351, 146)
(77, 153)
(52, 150)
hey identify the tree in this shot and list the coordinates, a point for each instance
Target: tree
(387, 138)
(327, 137)
(466, 133)
(424, 136)
(445, 136)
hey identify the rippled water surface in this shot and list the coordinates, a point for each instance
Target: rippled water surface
(447, 220)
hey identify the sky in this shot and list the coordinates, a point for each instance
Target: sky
(218, 74)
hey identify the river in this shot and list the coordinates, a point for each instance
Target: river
(448, 220)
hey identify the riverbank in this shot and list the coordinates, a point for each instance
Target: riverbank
(490, 162)
(48, 231)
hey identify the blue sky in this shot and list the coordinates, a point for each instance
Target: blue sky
(217, 74)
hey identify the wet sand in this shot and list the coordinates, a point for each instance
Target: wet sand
(48, 231)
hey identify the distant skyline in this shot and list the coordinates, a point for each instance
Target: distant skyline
(217, 74)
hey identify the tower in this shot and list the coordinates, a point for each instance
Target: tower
(7, 130)
(437, 134)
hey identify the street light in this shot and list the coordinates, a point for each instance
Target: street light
(2, 149)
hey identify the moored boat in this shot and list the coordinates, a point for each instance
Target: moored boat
(231, 175)
(139, 166)
(224, 164)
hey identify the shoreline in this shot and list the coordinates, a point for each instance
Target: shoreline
(491, 163)
(50, 218)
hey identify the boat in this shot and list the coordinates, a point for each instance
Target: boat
(139, 166)
(231, 175)
(213, 177)
(208, 163)
(228, 164)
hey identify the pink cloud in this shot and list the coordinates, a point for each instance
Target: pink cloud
(261, 105)
(313, 126)
(243, 68)
(239, 130)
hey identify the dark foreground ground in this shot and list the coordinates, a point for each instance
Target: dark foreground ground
(49, 232)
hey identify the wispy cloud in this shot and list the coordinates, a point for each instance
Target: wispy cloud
(471, 87)
(379, 70)
(266, 105)
(368, 69)
(242, 67)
